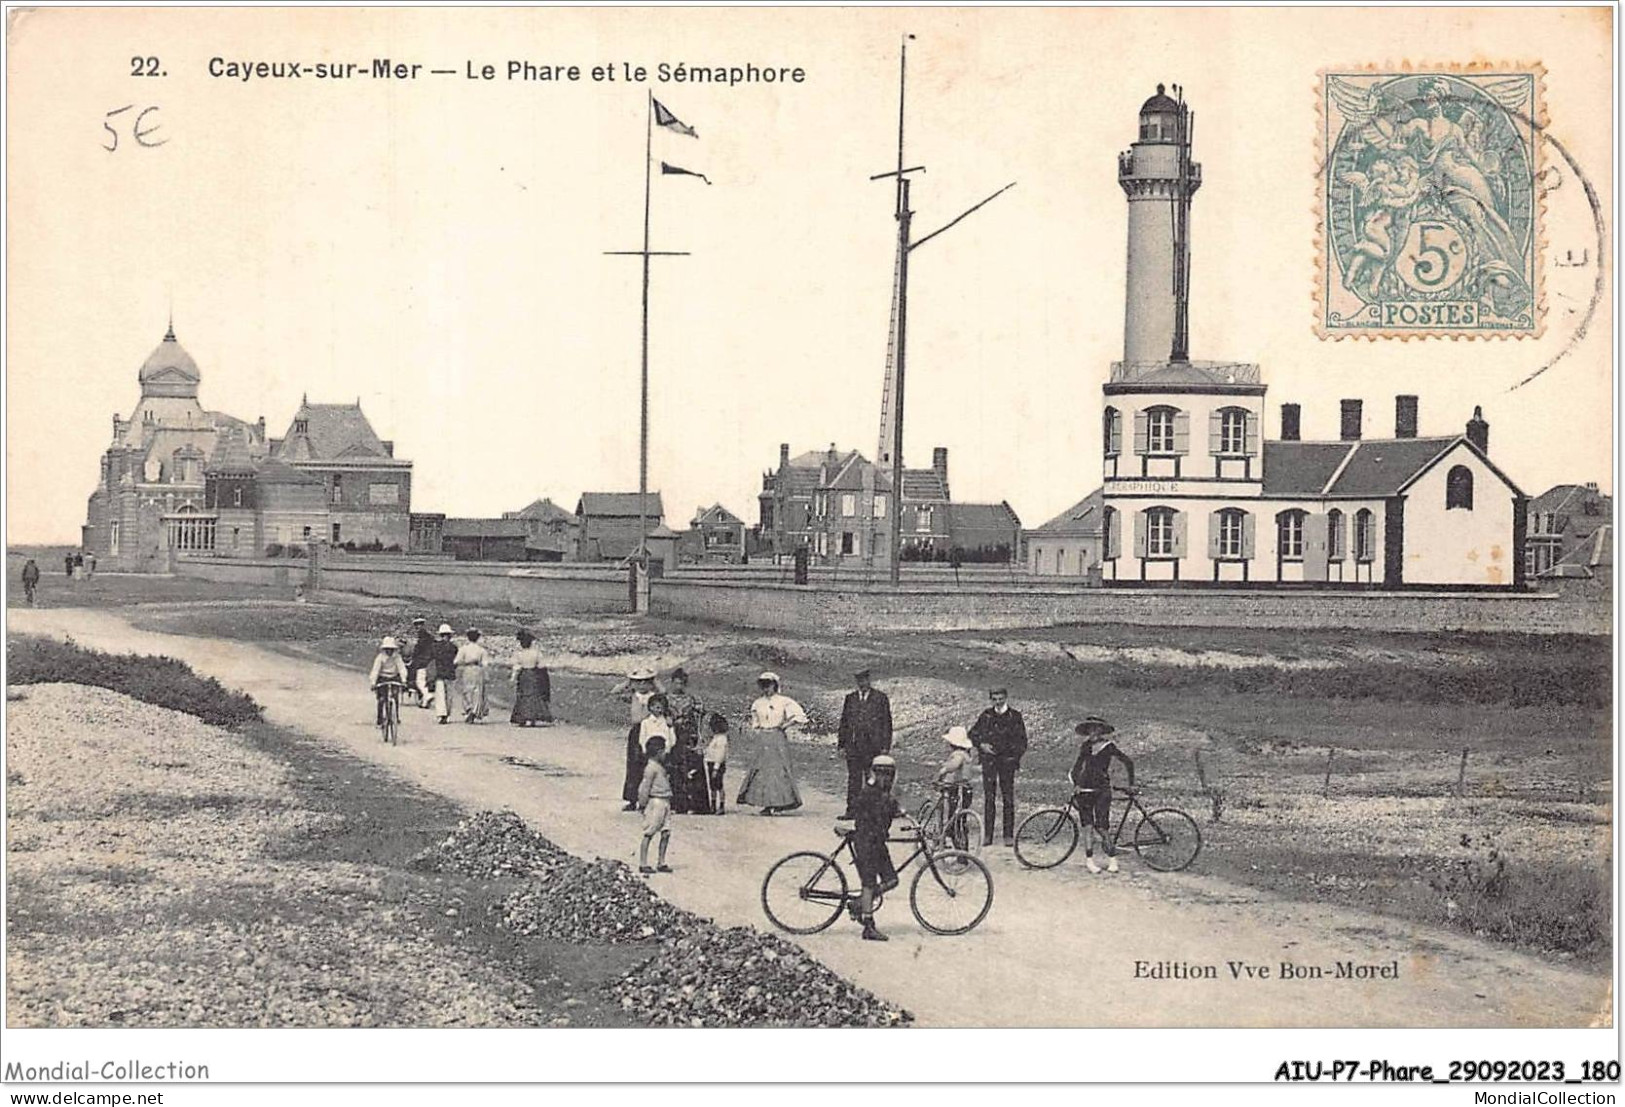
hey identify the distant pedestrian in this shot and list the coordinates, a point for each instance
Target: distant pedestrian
(444, 661)
(1092, 777)
(67, 565)
(422, 662)
(654, 800)
(654, 725)
(716, 762)
(771, 783)
(865, 733)
(532, 687)
(30, 580)
(79, 566)
(471, 660)
(1000, 736)
(90, 565)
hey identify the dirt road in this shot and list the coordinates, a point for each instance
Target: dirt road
(1059, 948)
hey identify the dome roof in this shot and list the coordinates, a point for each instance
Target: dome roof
(1161, 102)
(169, 356)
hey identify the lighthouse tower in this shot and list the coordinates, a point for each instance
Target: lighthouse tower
(1159, 179)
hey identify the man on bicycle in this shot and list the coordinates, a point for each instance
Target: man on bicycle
(872, 814)
(1092, 779)
(387, 668)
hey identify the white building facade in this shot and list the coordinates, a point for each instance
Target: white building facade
(1191, 491)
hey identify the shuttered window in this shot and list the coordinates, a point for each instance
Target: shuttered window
(1166, 430)
(1229, 535)
(1336, 539)
(1365, 535)
(1289, 535)
(1228, 433)
(1111, 432)
(1164, 532)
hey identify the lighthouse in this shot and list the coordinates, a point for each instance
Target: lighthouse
(1159, 179)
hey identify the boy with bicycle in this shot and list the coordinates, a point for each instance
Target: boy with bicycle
(1092, 778)
(872, 813)
(387, 668)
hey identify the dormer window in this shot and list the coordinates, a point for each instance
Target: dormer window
(301, 426)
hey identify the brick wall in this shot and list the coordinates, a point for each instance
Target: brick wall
(857, 610)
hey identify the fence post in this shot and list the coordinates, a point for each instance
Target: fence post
(1326, 788)
(1461, 777)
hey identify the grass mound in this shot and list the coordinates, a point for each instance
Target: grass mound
(161, 681)
(492, 844)
(742, 977)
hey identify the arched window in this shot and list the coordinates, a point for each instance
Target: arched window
(1336, 539)
(1289, 534)
(1365, 535)
(1110, 543)
(1458, 488)
(1111, 432)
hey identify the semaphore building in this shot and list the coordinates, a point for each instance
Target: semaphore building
(180, 478)
(1194, 493)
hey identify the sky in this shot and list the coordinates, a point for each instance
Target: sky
(436, 248)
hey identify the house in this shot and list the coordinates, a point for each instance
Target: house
(551, 532)
(1069, 545)
(714, 534)
(484, 539)
(179, 478)
(1563, 520)
(369, 489)
(989, 533)
(609, 523)
(835, 504)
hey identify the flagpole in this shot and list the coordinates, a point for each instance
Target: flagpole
(643, 437)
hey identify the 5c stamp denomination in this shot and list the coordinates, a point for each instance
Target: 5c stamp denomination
(1429, 212)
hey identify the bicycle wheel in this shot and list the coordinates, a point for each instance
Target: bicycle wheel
(951, 893)
(392, 719)
(1046, 838)
(1167, 840)
(965, 832)
(804, 893)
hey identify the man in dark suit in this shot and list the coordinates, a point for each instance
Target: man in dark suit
(1001, 737)
(865, 733)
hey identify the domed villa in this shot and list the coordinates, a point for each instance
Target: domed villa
(180, 478)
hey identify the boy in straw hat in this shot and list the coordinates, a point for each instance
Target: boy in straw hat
(387, 668)
(954, 778)
(1092, 777)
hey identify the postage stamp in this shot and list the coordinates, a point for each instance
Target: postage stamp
(1429, 209)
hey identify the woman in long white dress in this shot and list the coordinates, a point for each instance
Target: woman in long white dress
(771, 783)
(472, 659)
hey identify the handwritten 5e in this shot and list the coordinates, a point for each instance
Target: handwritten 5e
(139, 128)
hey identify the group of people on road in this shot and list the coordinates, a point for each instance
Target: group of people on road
(435, 665)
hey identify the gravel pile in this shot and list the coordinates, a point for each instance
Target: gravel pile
(742, 977)
(492, 844)
(595, 901)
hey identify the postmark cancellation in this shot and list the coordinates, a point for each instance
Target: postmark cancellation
(1429, 213)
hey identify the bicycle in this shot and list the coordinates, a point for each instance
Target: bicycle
(391, 725)
(962, 831)
(807, 891)
(1166, 839)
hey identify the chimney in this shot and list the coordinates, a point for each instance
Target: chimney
(1289, 422)
(1591, 486)
(1404, 416)
(1478, 431)
(1351, 421)
(939, 461)
(784, 454)
(389, 446)
(261, 426)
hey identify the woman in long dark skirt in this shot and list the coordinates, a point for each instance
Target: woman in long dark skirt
(532, 687)
(685, 767)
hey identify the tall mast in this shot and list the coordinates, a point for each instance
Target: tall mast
(643, 426)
